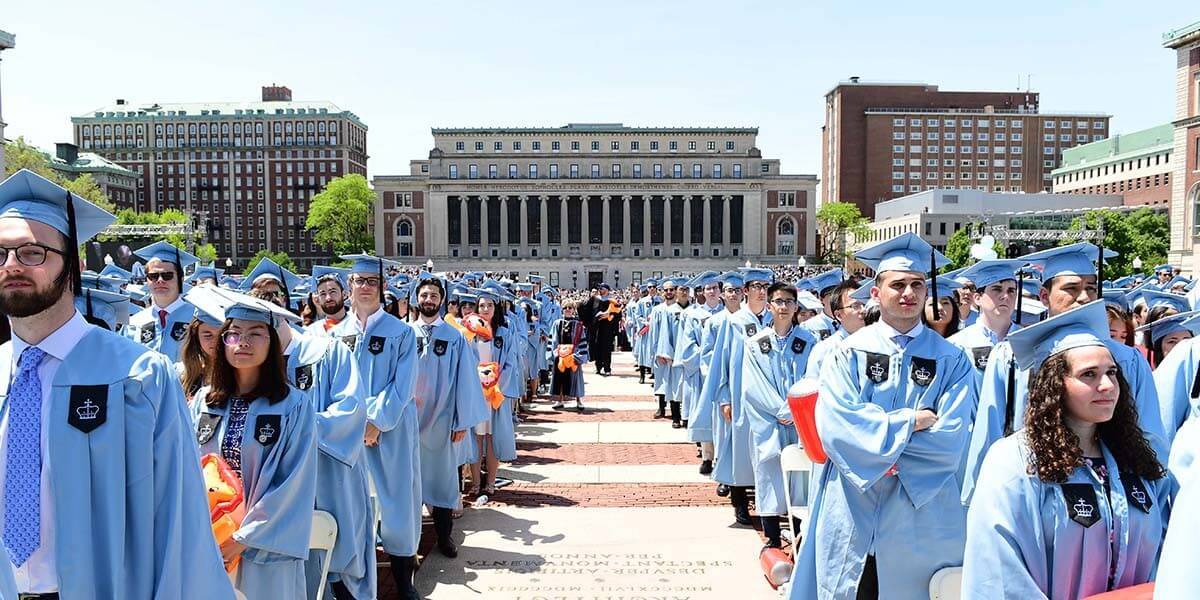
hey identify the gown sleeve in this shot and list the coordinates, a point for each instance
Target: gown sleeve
(342, 419)
(470, 409)
(385, 408)
(989, 416)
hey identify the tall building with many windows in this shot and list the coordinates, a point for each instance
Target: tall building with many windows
(886, 140)
(7, 40)
(1185, 181)
(245, 170)
(590, 202)
(1136, 165)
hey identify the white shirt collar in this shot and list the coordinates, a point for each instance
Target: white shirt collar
(434, 324)
(291, 344)
(60, 343)
(170, 308)
(890, 333)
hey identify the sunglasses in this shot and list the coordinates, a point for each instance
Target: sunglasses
(160, 276)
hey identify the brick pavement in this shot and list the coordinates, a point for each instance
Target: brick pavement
(535, 453)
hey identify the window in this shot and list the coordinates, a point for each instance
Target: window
(1048, 151)
(616, 146)
(595, 146)
(575, 146)
(635, 145)
(897, 148)
(637, 170)
(537, 146)
(616, 171)
(691, 146)
(533, 171)
(472, 171)
(737, 171)
(787, 198)
(658, 171)
(516, 146)
(1097, 124)
(897, 175)
(677, 171)
(554, 171)
(716, 172)
(898, 188)
(491, 171)
(555, 146)
(673, 146)
(595, 170)
(453, 171)
(1049, 125)
(498, 146)
(512, 171)
(897, 135)
(460, 146)
(729, 146)
(574, 171)
(897, 122)
(697, 171)
(654, 146)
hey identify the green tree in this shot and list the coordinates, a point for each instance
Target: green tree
(340, 215)
(958, 248)
(19, 154)
(207, 253)
(280, 258)
(838, 224)
(1140, 233)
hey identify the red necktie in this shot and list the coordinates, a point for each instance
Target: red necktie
(329, 324)
(162, 318)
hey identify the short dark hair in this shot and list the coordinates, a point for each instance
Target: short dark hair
(272, 375)
(843, 287)
(782, 286)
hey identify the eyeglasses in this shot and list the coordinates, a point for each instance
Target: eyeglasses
(365, 281)
(784, 302)
(758, 285)
(329, 293)
(160, 275)
(234, 338)
(30, 254)
(268, 295)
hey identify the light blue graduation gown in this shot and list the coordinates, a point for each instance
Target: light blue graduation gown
(703, 421)
(771, 366)
(687, 362)
(733, 448)
(977, 341)
(131, 518)
(1182, 462)
(662, 323)
(1033, 539)
(8, 586)
(327, 372)
(504, 436)
(1177, 575)
(912, 521)
(386, 355)
(990, 414)
(821, 326)
(644, 350)
(279, 478)
(1178, 388)
(667, 339)
(145, 329)
(971, 318)
(449, 398)
(824, 348)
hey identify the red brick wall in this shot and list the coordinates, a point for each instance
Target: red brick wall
(418, 200)
(1192, 168)
(772, 199)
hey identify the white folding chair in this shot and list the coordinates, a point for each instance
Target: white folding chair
(793, 460)
(946, 584)
(324, 533)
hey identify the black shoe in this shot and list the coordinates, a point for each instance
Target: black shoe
(448, 549)
(660, 414)
(402, 573)
(741, 514)
(722, 490)
(676, 425)
(706, 467)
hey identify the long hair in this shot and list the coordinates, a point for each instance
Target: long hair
(1115, 312)
(309, 313)
(1054, 449)
(951, 327)
(272, 374)
(195, 363)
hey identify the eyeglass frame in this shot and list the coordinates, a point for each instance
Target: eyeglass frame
(15, 251)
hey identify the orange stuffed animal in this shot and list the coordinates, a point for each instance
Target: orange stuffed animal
(226, 500)
(489, 376)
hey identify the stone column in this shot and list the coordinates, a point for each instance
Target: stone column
(646, 225)
(625, 221)
(726, 249)
(666, 225)
(707, 226)
(687, 224)
(464, 225)
(484, 242)
(504, 241)
(584, 229)
(605, 238)
(563, 239)
(524, 233)
(543, 220)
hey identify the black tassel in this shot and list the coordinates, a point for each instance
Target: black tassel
(287, 294)
(1100, 264)
(72, 255)
(381, 285)
(1010, 407)
(937, 315)
(1016, 318)
(87, 298)
(178, 269)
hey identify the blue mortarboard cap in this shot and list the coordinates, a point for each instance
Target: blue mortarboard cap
(102, 282)
(808, 301)
(268, 269)
(487, 294)
(524, 287)
(1155, 299)
(863, 293)
(115, 271)
(603, 286)
(209, 305)
(828, 279)
(1176, 280)
(987, 272)
(1124, 282)
(1086, 325)
(1167, 268)
(27, 195)
(1075, 259)
(472, 296)
(906, 252)
(1116, 297)
(703, 279)
(732, 278)
(205, 272)
(806, 283)
(320, 272)
(1180, 322)
(137, 293)
(751, 274)
(110, 307)
(367, 263)
(248, 308)
(536, 279)
(167, 252)
(642, 287)
(945, 286)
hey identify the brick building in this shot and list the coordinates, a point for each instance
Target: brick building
(1185, 183)
(1136, 165)
(118, 183)
(246, 169)
(589, 202)
(886, 140)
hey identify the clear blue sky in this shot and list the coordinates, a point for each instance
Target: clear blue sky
(405, 67)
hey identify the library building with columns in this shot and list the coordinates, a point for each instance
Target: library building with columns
(592, 202)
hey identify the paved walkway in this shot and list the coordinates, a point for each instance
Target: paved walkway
(606, 504)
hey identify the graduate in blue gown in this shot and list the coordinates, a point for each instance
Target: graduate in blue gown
(662, 322)
(385, 350)
(1177, 385)
(893, 418)
(1068, 280)
(706, 424)
(996, 296)
(496, 436)
(265, 430)
(449, 403)
(107, 501)
(1075, 503)
(642, 350)
(162, 325)
(734, 462)
(776, 357)
(689, 358)
(1177, 575)
(824, 324)
(669, 322)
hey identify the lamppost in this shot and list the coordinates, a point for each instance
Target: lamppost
(575, 278)
(429, 265)
(1137, 263)
(617, 278)
(108, 259)
(228, 263)
(748, 265)
(801, 263)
